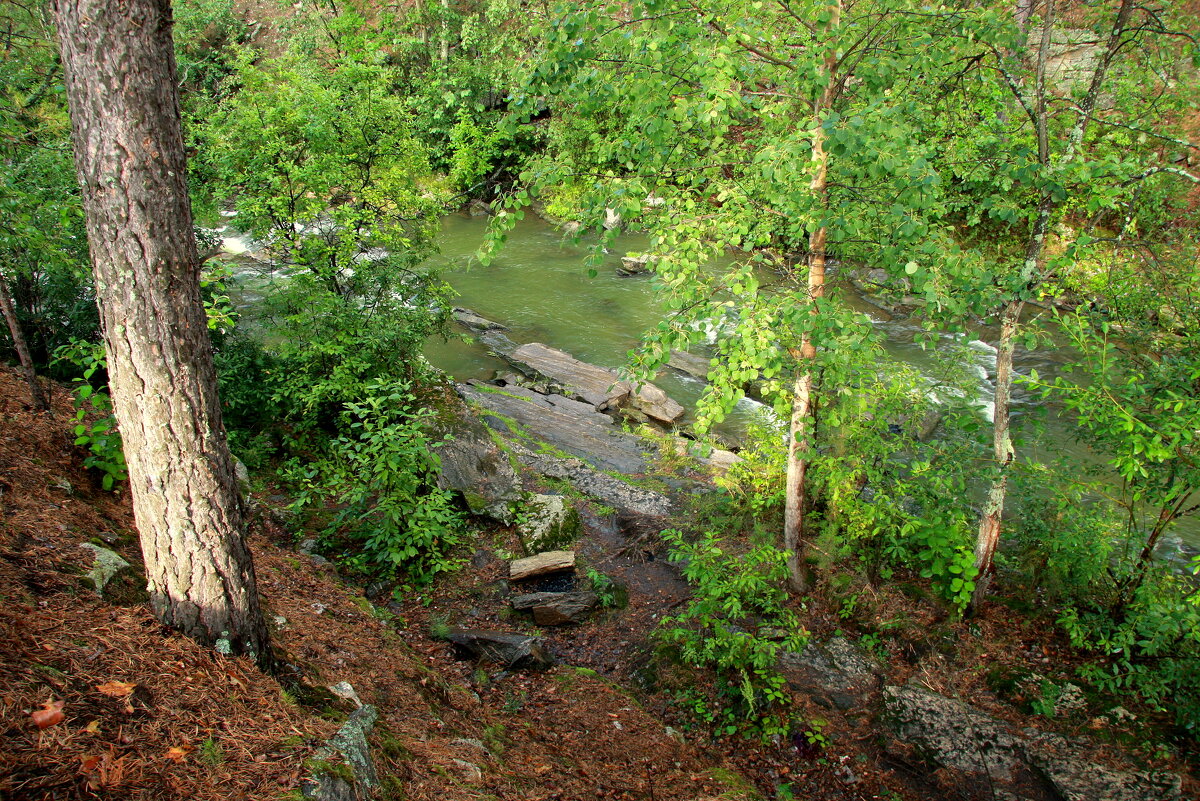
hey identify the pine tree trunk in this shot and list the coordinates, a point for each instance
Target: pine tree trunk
(40, 401)
(121, 89)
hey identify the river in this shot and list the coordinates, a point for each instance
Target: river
(540, 288)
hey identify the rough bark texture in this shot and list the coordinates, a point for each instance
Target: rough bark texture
(40, 401)
(121, 90)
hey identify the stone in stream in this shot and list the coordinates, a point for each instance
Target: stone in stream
(511, 650)
(690, 364)
(598, 386)
(556, 608)
(573, 427)
(634, 265)
(541, 564)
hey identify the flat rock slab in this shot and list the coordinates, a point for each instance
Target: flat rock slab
(690, 364)
(556, 608)
(540, 565)
(570, 426)
(512, 650)
(1076, 778)
(613, 492)
(592, 384)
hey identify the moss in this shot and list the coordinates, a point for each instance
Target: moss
(327, 767)
(391, 789)
(391, 746)
(734, 785)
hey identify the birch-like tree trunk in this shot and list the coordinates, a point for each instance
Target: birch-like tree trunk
(121, 82)
(803, 404)
(1032, 273)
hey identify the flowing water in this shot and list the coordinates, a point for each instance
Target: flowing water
(540, 288)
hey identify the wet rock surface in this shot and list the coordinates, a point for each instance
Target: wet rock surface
(556, 608)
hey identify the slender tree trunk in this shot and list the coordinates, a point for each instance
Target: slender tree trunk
(40, 401)
(804, 402)
(1002, 450)
(444, 48)
(121, 89)
(1031, 274)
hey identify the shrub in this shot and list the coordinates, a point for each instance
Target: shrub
(730, 626)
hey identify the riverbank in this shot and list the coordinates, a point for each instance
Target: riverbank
(147, 714)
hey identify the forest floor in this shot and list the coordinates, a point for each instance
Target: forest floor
(97, 700)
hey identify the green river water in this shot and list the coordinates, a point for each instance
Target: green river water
(539, 287)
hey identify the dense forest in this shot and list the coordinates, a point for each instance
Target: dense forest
(803, 190)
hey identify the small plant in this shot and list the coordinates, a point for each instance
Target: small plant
(211, 752)
(1046, 700)
(813, 734)
(605, 588)
(874, 643)
(100, 436)
(438, 627)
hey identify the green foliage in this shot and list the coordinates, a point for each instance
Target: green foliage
(43, 245)
(99, 434)
(736, 598)
(891, 498)
(1149, 647)
(381, 475)
(611, 594)
(206, 33)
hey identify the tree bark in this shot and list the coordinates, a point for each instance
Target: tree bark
(121, 82)
(40, 401)
(1032, 274)
(803, 404)
(1002, 450)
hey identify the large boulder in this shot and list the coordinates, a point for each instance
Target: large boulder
(546, 522)
(1076, 778)
(951, 734)
(473, 464)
